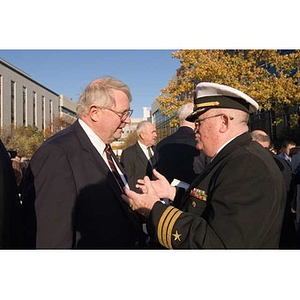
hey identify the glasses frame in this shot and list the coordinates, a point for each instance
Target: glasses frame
(198, 122)
(122, 115)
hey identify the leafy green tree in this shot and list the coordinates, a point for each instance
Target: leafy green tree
(271, 77)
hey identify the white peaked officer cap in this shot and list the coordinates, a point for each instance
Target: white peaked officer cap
(213, 95)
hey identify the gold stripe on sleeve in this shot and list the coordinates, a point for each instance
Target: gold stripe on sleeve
(170, 229)
(161, 222)
(165, 227)
(169, 216)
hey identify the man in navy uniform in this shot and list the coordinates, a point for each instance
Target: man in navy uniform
(238, 200)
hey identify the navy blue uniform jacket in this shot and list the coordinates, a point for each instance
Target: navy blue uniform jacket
(238, 201)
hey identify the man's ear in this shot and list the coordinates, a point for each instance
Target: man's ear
(141, 135)
(224, 124)
(94, 113)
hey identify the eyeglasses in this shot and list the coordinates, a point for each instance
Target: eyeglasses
(122, 115)
(198, 122)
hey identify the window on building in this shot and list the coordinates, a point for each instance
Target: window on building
(12, 101)
(43, 112)
(24, 106)
(51, 114)
(34, 108)
(67, 111)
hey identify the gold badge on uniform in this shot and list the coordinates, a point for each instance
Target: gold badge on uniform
(199, 194)
(177, 236)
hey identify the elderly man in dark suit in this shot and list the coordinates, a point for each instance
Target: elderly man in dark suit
(176, 156)
(72, 190)
(137, 159)
(238, 201)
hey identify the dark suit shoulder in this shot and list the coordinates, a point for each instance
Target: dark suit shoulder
(131, 150)
(184, 135)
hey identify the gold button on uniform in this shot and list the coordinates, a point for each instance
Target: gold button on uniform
(193, 203)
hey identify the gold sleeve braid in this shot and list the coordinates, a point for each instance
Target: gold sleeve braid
(166, 224)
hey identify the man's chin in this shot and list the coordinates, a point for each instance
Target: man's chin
(118, 134)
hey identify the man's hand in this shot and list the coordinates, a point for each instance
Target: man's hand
(161, 185)
(142, 203)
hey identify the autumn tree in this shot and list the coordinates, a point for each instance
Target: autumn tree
(130, 140)
(24, 140)
(59, 123)
(271, 77)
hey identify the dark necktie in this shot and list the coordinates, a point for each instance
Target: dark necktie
(113, 166)
(135, 216)
(149, 152)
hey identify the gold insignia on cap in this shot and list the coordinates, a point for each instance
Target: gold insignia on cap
(215, 103)
(177, 236)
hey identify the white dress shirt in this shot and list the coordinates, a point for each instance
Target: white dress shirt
(145, 150)
(100, 146)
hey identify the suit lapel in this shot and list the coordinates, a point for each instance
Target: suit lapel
(144, 161)
(97, 159)
(118, 163)
(140, 154)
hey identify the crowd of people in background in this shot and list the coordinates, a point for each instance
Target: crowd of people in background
(211, 184)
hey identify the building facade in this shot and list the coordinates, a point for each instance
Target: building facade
(161, 122)
(24, 101)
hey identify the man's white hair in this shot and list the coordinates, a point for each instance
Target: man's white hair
(184, 111)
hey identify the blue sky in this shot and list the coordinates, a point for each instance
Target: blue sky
(68, 72)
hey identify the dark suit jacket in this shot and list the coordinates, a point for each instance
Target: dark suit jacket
(296, 184)
(176, 156)
(9, 203)
(136, 165)
(238, 201)
(288, 231)
(72, 200)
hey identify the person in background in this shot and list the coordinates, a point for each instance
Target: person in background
(71, 191)
(295, 160)
(10, 207)
(273, 149)
(176, 156)
(285, 150)
(17, 167)
(288, 231)
(137, 159)
(238, 201)
(25, 162)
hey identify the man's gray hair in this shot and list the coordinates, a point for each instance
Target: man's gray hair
(141, 127)
(99, 92)
(260, 136)
(184, 111)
